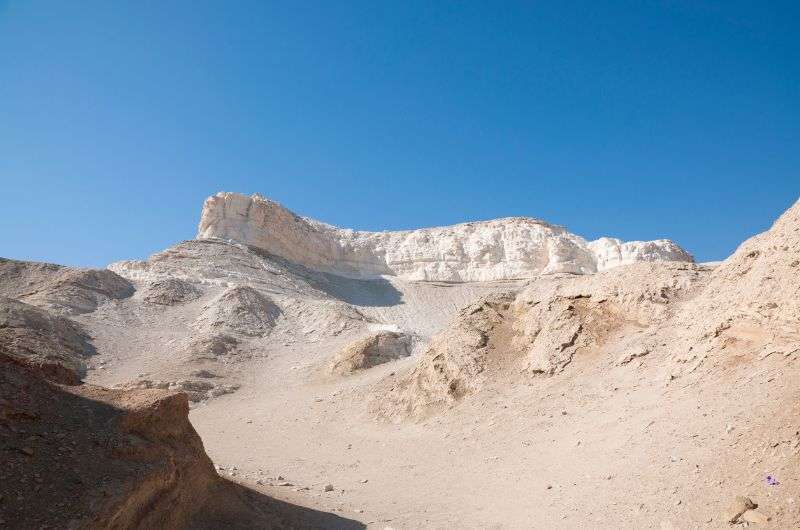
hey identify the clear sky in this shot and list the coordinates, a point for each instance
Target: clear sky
(633, 119)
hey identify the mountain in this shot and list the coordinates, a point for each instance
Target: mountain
(495, 374)
(501, 249)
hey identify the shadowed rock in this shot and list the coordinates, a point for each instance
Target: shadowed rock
(55, 344)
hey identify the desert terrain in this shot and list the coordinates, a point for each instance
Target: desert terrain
(279, 372)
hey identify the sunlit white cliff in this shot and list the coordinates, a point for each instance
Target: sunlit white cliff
(510, 248)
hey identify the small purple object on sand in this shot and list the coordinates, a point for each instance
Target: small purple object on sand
(772, 481)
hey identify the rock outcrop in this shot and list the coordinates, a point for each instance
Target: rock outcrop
(64, 290)
(195, 389)
(540, 330)
(55, 345)
(511, 248)
(752, 301)
(89, 457)
(240, 309)
(378, 348)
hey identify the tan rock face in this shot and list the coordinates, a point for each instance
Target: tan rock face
(454, 363)
(752, 299)
(120, 459)
(56, 345)
(539, 331)
(371, 351)
(516, 247)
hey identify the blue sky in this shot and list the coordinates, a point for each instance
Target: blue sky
(638, 120)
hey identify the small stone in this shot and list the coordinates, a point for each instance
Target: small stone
(328, 487)
(27, 450)
(549, 487)
(739, 505)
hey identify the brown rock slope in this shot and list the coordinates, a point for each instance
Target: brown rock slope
(86, 457)
(54, 344)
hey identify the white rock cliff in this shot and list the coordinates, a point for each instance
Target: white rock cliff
(501, 249)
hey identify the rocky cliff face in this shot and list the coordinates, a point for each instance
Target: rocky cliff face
(510, 248)
(88, 457)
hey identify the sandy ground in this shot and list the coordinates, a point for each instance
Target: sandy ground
(571, 451)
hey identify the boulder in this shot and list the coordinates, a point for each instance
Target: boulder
(370, 351)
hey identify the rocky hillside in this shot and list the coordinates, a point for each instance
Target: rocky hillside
(502, 249)
(751, 306)
(484, 375)
(540, 330)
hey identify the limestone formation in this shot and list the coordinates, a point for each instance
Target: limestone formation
(539, 330)
(515, 247)
(378, 348)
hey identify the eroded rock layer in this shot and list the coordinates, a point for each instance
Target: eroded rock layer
(514, 247)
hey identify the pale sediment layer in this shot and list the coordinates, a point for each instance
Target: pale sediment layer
(500, 249)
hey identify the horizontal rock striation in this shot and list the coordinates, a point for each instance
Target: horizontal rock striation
(501, 249)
